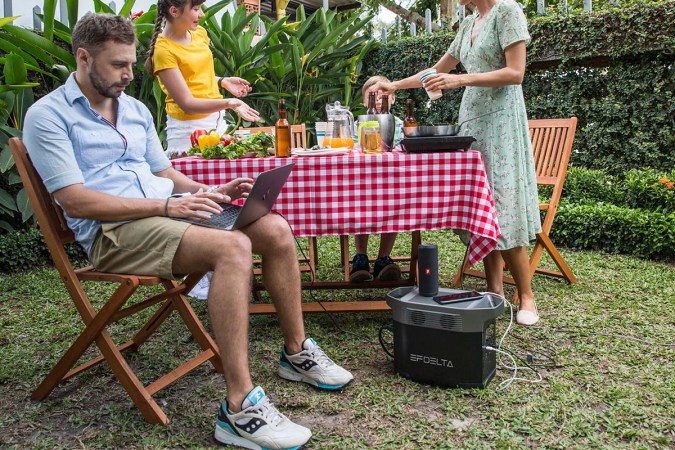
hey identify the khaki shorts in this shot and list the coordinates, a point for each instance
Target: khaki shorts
(140, 247)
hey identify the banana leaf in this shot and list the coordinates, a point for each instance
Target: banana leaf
(48, 19)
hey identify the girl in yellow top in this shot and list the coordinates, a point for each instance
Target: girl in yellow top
(180, 56)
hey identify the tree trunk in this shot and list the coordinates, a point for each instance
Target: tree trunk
(449, 10)
(410, 16)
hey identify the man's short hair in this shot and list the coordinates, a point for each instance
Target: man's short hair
(92, 31)
(370, 82)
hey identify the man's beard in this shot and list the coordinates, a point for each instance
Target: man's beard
(102, 87)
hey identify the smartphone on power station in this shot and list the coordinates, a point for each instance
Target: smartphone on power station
(457, 297)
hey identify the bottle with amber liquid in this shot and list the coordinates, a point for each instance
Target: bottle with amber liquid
(409, 120)
(372, 101)
(385, 105)
(282, 133)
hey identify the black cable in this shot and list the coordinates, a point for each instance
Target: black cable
(551, 356)
(387, 345)
(311, 291)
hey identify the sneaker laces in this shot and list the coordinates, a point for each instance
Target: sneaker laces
(320, 357)
(267, 409)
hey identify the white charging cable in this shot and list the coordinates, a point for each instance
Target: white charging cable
(506, 383)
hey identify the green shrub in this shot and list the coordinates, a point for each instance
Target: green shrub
(27, 250)
(591, 185)
(651, 190)
(646, 189)
(615, 229)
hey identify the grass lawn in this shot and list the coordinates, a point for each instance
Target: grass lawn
(613, 385)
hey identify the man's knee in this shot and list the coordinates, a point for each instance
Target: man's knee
(278, 229)
(235, 250)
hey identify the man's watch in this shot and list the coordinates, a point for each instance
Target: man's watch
(213, 188)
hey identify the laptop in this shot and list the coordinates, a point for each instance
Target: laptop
(260, 200)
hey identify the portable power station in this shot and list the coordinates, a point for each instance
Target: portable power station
(443, 344)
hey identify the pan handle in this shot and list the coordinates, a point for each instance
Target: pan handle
(459, 125)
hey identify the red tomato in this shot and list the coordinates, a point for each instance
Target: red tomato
(194, 137)
(226, 139)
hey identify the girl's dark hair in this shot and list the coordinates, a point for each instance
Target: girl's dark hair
(92, 31)
(163, 14)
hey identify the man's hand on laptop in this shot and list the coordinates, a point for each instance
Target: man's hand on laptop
(237, 188)
(200, 205)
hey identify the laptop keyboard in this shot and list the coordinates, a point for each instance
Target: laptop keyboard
(226, 218)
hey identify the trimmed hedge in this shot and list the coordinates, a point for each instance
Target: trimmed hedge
(602, 68)
(645, 189)
(26, 250)
(615, 229)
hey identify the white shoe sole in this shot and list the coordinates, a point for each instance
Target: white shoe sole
(225, 438)
(288, 374)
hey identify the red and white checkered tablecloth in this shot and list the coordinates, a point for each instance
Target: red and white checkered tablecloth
(366, 194)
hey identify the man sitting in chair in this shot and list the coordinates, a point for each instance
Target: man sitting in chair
(98, 153)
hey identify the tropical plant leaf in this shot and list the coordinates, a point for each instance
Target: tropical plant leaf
(44, 45)
(14, 70)
(6, 226)
(7, 201)
(72, 7)
(9, 47)
(6, 160)
(23, 205)
(5, 20)
(126, 8)
(6, 104)
(14, 178)
(101, 7)
(48, 18)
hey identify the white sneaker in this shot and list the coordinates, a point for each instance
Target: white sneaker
(312, 366)
(259, 425)
(201, 289)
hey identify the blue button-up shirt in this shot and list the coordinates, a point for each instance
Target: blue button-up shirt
(70, 143)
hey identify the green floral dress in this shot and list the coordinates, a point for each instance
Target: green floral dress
(503, 137)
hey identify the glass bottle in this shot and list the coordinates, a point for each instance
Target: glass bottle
(385, 104)
(372, 109)
(409, 120)
(282, 132)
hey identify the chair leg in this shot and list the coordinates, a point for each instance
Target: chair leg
(344, 254)
(139, 395)
(546, 243)
(151, 325)
(95, 324)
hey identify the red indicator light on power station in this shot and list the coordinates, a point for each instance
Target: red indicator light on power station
(427, 271)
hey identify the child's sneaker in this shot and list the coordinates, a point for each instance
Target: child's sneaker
(258, 425)
(385, 269)
(312, 366)
(360, 269)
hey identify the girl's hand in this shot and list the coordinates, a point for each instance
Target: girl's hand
(237, 86)
(245, 111)
(443, 81)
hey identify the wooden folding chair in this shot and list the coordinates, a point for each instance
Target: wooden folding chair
(298, 134)
(552, 146)
(57, 234)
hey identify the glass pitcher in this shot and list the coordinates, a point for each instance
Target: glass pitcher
(340, 126)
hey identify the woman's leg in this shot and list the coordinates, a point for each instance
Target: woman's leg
(494, 272)
(518, 263)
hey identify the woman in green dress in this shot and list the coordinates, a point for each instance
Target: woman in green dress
(490, 44)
